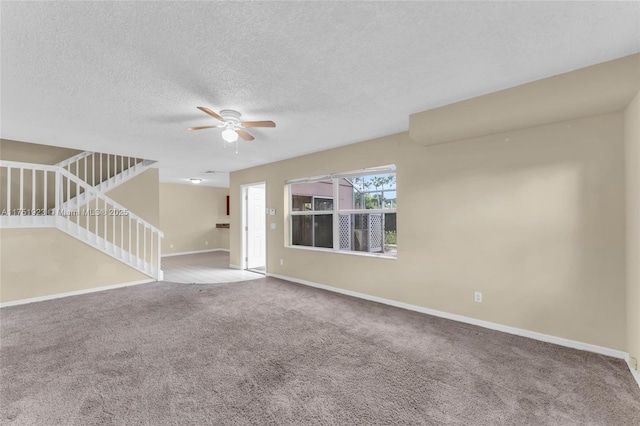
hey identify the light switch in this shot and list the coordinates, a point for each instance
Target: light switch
(272, 212)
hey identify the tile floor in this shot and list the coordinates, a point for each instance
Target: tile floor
(203, 268)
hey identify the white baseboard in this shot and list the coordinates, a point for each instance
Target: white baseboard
(195, 252)
(468, 320)
(634, 372)
(72, 293)
(232, 266)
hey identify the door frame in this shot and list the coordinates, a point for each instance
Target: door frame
(244, 191)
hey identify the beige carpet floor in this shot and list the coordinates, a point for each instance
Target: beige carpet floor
(269, 352)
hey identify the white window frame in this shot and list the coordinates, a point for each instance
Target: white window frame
(336, 212)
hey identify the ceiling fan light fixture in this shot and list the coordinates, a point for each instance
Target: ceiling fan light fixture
(229, 135)
(232, 126)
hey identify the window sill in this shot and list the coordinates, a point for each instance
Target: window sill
(353, 253)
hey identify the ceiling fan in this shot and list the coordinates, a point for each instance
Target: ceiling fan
(232, 125)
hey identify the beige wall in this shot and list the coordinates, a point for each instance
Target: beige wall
(11, 150)
(632, 156)
(533, 219)
(34, 153)
(597, 89)
(188, 217)
(141, 195)
(45, 261)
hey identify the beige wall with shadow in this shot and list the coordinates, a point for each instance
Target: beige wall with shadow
(11, 150)
(40, 262)
(632, 156)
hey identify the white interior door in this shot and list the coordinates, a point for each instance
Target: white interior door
(256, 226)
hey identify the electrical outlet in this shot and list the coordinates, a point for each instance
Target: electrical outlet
(281, 262)
(170, 245)
(478, 297)
(206, 243)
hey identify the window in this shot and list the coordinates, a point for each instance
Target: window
(353, 211)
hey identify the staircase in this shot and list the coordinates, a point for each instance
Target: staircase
(102, 171)
(70, 196)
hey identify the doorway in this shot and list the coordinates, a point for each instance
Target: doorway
(254, 227)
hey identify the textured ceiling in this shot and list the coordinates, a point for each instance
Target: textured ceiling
(126, 77)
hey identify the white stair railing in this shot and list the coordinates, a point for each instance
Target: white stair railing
(102, 171)
(75, 160)
(27, 194)
(106, 170)
(36, 195)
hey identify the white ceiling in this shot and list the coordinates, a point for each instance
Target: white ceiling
(126, 78)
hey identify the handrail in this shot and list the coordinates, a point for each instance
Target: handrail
(76, 157)
(20, 164)
(90, 167)
(98, 194)
(88, 188)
